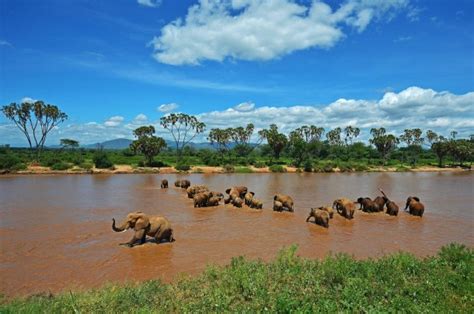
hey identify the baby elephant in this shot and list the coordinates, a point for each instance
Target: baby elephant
(255, 203)
(248, 198)
(144, 225)
(415, 207)
(321, 217)
(392, 208)
(286, 200)
(327, 209)
(345, 207)
(238, 202)
(164, 184)
(277, 206)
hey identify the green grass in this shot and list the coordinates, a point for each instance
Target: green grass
(243, 170)
(395, 283)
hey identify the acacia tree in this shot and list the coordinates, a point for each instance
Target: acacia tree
(242, 136)
(334, 136)
(68, 143)
(147, 143)
(183, 128)
(439, 145)
(350, 133)
(302, 140)
(384, 143)
(35, 120)
(277, 141)
(413, 139)
(221, 138)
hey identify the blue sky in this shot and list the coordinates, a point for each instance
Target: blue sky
(111, 64)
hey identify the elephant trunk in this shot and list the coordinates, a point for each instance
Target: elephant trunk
(121, 228)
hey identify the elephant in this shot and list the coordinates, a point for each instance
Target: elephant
(415, 207)
(217, 194)
(200, 199)
(248, 198)
(367, 205)
(321, 217)
(286, 200)
(227, 200)
(277, 206)
(144, 225)
(237, 191)
(185, 184)
(194, 189)
(255, 203)
(392, 207)
(213, 201)
(164, 184)
(238, 202)
(328, 209)
(380, 201)
(345, 207)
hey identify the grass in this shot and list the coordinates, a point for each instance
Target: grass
(395, 283)
(243, 170)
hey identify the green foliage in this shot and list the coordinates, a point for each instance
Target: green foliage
(308, 166)
(60, 166)
(243, 170)
(86, 166)
(394, 283)
(147, 144)
(101, 160)
(277, 168)
(259, 164)
(9, 161)
(228, 168)
(183, 167)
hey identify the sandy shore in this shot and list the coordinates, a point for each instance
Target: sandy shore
(127, 169)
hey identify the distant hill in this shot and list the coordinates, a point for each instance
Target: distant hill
(122, 143)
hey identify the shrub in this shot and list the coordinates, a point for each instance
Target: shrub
(10, 162)
(229, 169)
(259, 164)
(60, 166)
(183, 167)
(86, 165)
(328, 168)
(308, 166)
(243, 170)
(154, 163)
(101, 160)
(360, 167)
(277, 168)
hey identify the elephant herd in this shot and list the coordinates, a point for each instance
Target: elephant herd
(160, 228)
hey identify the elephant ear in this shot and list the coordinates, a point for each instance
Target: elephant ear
(227, 191)
(142, 222)
(416, 198)
(253, 194)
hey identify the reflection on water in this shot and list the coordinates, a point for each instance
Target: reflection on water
(55, 231)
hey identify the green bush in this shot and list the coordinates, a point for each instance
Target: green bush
(228, 169)
(86, 165)
(328, 168)
(60, 166)
(101, 160)
(154, 163)
(183, 167)
(308, 166)
(243, 170)
(360, 167)
(10, 161)
(259, 164)
(277, 168)
(394, 283)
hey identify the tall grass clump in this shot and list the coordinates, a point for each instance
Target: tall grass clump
(395, 283)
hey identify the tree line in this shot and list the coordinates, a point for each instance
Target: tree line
(302, 145)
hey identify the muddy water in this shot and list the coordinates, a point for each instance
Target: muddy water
(55, 231)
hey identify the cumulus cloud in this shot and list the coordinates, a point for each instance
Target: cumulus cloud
(28, 100)
(262, 30)
(114, 121)
(167, 107)
(414, 107)
(245, 106)
(150, 3)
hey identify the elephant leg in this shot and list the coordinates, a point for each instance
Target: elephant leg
(139, 235)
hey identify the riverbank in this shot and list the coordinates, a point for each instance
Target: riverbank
(127, 169)
(399, 282)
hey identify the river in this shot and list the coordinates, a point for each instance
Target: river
(55, 230)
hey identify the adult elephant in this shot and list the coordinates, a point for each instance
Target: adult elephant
(345, 207)
(285, 200)
(415, 207)
(392, 207)
(144, 225)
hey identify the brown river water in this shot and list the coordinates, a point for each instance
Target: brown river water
(55, 230)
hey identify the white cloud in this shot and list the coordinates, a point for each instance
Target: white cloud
(114, 121)
(150, 3)
(5, 43)
(167, 107)
(413, 107)
(262, 30)
(28, 100)
(245, 106)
